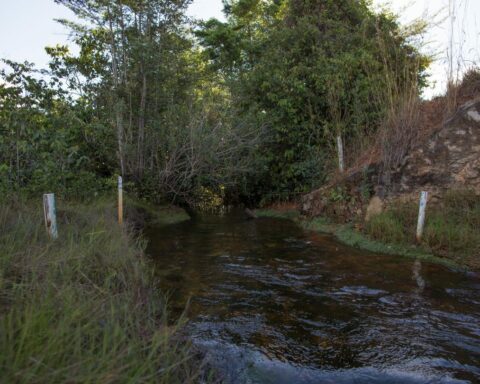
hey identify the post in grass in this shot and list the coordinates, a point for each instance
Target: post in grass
(421, 215)
(50, 215)
(341, 163)
(120, 200)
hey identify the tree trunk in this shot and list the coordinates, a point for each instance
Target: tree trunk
(118, 106)
(141, 125)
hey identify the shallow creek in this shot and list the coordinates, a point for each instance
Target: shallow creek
(272, 303)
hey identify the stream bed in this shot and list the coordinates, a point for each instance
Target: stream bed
(273, 303)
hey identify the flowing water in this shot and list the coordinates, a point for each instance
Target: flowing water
(272, 303)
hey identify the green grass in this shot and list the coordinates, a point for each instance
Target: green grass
(387, 228)
(84, 308)
(320, 224)
(155, 214)
(287, 214)
(452, 228)
(350, 236)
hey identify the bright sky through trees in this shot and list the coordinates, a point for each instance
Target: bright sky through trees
(27, 26)
(466, 34)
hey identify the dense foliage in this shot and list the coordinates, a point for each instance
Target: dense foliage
(309, 71)
(249, 108)
(46, 141)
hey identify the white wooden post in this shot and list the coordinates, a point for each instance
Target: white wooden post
(50, 215)
(120, 200)
(421, 215)
(341, 164)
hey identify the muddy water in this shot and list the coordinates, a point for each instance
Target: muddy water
(272, 303)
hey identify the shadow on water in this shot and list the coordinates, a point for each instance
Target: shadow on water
(272, 303)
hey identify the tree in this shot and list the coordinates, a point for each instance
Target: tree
(309, 71)
(140, 72)
(44, 144)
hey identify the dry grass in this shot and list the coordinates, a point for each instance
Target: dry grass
(412, 121)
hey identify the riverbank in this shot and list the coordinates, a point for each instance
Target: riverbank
(84, 308)
(349, 235)
(142, 212)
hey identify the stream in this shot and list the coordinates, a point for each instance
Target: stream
(273, 303)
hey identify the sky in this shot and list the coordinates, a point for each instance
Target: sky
(27, 26)
(464, 48)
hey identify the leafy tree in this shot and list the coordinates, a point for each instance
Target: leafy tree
(44, 145)
(250, 108)
(309, 71)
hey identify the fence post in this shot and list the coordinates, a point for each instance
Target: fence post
(120, 200)
(341, 164)
(421, 215)
(50, 215)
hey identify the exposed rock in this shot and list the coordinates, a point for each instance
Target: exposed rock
(341, 201)
(450, 158)
(314, 203)
(375, 207)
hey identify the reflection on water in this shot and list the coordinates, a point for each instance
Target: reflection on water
(417, 269)
(272, 303)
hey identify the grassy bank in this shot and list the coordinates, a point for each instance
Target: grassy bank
(348, 235)
(145, 212)
(82, 309)
(452, 228)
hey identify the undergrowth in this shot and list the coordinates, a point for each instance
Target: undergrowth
(83, 308)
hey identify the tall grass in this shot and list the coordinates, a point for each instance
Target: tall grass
(83, 309)
(455, 227)
(452, 227)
